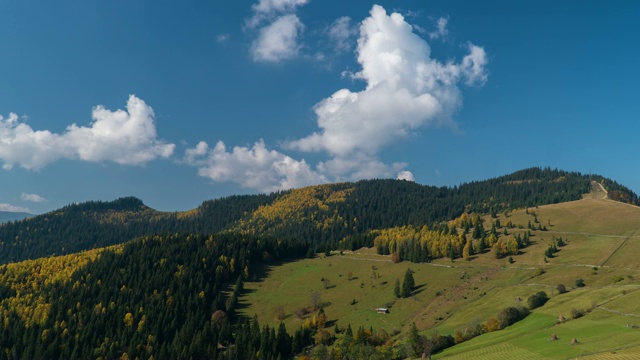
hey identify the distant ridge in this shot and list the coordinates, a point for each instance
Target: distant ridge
(6, 216)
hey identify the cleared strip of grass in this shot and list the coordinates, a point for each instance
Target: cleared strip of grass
(594, 333)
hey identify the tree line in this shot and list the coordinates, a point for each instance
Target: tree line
(334, 215)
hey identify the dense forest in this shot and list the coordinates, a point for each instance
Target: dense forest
(169, 297)
(321, 215)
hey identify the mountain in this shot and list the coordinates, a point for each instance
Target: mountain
(322, 216)
(6, 216)
(138, 283)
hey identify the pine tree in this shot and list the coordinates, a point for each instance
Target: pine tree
(284, 341)
(408, 284)
(415, 343)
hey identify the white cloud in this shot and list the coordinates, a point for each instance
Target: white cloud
(222, 38)
(405, 175)
(441, 29)
(266, 8)
(358, 166)
(124, 137)
(278, 30)
(341, 33)
(278, 41)
(406, 89)
(473, 65)
(11, 208)
(32, 198)
(255, 168)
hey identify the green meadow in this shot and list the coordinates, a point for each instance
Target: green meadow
(601, 250)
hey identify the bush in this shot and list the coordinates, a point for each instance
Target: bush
(577, 313)
(511, 315)
(539, 271)
(561, 289)
(580, 283)
(441, 342)
(536, 300)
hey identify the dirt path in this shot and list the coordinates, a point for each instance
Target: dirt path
(617, 312)
(606, 194)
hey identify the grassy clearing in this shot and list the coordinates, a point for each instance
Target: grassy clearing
(453, 294)
(354, 301)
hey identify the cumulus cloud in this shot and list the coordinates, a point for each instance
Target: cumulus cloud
(253, 167)
(266, 9)
(441, 30)
(405, 175)
(341, 33)
(11, 208)
(473, 65)
(32, 198)
(278, 41)
(222, 38)
(358, 166)
(278, 29)
(405, 89)
(124, 137)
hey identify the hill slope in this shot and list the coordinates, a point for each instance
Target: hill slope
(321, 215)
(457, 298)
(173, 296)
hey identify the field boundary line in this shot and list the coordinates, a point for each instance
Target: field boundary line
(618, 248)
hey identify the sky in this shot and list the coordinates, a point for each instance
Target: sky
(181, 102)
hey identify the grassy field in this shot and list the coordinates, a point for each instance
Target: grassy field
(603, 238)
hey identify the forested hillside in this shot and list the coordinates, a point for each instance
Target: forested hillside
(320, 215)
(165, 297)
(172, 291)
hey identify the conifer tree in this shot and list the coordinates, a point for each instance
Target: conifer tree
(408, 284)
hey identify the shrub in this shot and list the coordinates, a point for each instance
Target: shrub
(441, 342)
(577, 313)
(511, 315)
(580, 283)
(561, 289)
(539, 271)
(492, 324)
(536, 300)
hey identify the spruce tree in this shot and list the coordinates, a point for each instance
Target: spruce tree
(408, 284)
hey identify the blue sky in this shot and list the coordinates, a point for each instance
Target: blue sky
(180, 102)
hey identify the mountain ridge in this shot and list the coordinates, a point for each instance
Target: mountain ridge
(178, 290)
(321, 215)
